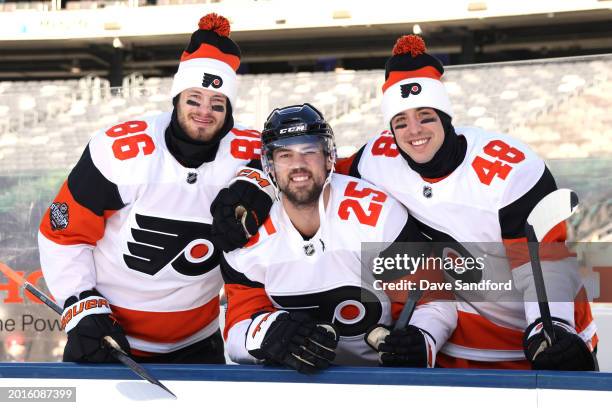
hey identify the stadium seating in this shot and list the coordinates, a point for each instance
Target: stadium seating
(556, 107)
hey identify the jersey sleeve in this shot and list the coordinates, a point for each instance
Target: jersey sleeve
(247, 145)
(245, 297)
(531, 184)
(349, 166)
(71, 227)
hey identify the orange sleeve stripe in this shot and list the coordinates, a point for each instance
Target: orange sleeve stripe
(582, 314)
(396, 309)
(343, 166)
(166, 327)
(84, 226)
(474, 331)
(242, 302)
(554, 249)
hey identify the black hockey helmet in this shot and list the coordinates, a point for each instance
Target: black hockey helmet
(296, 124)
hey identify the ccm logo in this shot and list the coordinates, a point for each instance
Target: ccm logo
(299, 128)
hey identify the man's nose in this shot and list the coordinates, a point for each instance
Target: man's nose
(205, 106)
(413, 125)
(299, 160)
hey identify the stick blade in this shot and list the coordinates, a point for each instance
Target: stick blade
(556, 207)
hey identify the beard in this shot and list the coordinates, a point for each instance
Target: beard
(305, 196)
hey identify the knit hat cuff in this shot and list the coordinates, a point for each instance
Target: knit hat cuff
(189, 75)
(417, 92)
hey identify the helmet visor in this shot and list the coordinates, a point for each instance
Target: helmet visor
(285, 152)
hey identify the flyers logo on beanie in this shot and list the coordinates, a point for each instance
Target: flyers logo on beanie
(412, 88)
(413, 71)
(210, 79)
(210, 60)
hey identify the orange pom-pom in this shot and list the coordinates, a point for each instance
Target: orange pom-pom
(216, 23)
(412, 44)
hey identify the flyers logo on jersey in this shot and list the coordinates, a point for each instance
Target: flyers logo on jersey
(160, 241)
(351, 309)
(211, 79)
(412, 88)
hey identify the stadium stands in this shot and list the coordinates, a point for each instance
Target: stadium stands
(558, 107)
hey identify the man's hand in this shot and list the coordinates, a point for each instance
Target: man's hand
(292, 339)
(87, 321)
(227, 229)
(408, 347)
(569, 352)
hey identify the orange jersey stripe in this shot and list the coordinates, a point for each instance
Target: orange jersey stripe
(553, 249)
(166, 327)
(84, 226)
(474, 331)
(242, 302)
(343, 165)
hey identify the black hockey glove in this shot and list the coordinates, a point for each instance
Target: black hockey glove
(228, 232)
(569, 352)
(87, 321)
(408, 347)
(292, 339)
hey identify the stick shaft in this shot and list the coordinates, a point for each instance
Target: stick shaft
(117, 352)
(42, 297)
(408, 309)
(540, 286)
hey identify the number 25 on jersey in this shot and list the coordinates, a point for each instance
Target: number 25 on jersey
(367, 217)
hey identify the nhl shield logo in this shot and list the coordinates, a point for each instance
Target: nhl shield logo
(427, 192)
(309, 249)
(211, 80)
(192, 177)
(58, 216)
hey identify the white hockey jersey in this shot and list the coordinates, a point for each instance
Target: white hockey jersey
(323, 276)
(483, 204)
(133, 223)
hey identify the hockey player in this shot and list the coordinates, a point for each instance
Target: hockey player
(126, 245)
(295, 293)
(470, 185)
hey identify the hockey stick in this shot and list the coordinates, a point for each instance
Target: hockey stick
(241, 214)
(556, 207)
(408, 309)
(116, 351)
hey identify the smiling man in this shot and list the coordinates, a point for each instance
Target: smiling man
(130, 230)
(474, 186)
(296, 294)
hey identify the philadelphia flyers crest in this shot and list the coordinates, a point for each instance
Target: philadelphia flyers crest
(211, 79)
(351, 309)
(161, 241)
